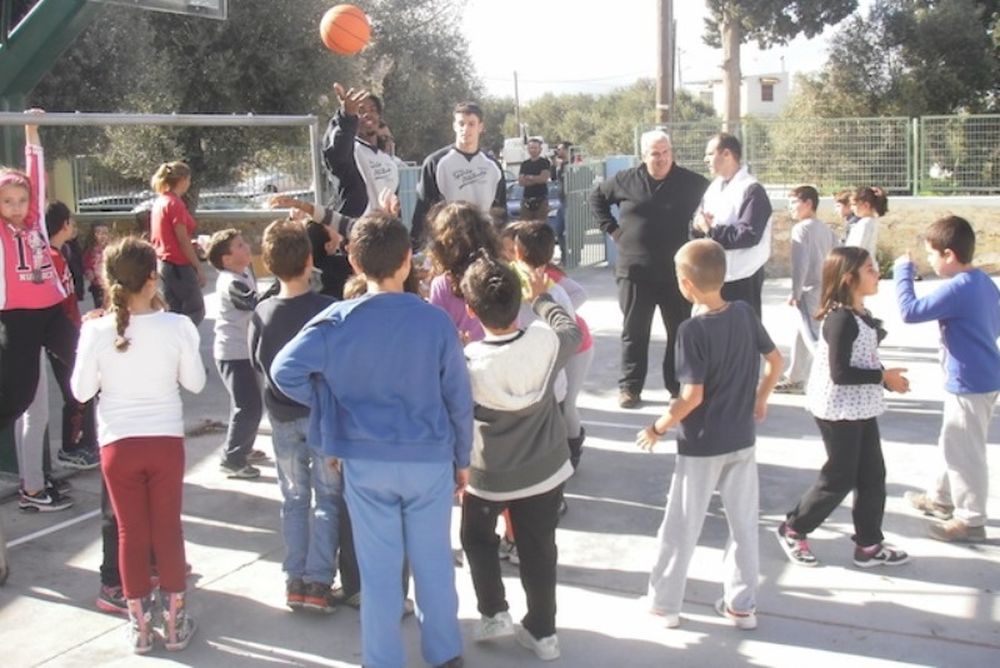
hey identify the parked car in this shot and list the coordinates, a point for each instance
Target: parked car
(515, 193)
(112, 203)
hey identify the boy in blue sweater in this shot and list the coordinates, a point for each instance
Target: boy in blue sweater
(385, 379)
(967, 308)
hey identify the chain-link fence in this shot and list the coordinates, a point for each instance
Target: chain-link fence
(830, 153)
(958, 154)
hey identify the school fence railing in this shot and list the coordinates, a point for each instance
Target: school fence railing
(932, 155)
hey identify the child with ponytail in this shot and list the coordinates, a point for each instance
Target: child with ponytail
(171, 229)
(141, 432)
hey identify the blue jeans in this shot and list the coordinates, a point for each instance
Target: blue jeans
(310, 532)
(402, 508)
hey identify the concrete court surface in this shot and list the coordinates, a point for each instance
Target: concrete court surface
(941, 609)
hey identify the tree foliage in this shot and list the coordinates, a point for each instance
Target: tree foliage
(768, 22)
(265, 59)
(774, 22)
(908, 58)
(603, 124)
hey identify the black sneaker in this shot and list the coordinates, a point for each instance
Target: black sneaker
(628, 399)
(879, 555)
(295, 594)
(43, 501)
(341, 598)
(60, 485)
(245, 472)
(112, 600)
(795, 546)
(85, 459)
(318, 597)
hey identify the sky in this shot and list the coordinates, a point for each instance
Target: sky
(600, 52)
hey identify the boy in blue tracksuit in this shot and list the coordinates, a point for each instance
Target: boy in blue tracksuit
(968, 313)
(386, 381)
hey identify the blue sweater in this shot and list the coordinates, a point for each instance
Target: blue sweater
(385, 379)
(967, 308)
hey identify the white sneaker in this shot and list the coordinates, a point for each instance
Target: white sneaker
(499, 625)
(671, 621)
(546, 649)
(741, 620)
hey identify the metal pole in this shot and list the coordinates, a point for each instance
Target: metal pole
(664, 61)
(517, 106)
(317, 170)
(80, 119)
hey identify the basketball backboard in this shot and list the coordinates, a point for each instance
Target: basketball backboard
(210, 9)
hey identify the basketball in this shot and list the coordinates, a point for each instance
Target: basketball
(345, 29)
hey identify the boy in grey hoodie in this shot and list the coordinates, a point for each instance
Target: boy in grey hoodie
(519, 456)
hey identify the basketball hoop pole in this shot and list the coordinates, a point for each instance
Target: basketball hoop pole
(82, 119)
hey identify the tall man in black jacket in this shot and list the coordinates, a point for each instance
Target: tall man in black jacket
(656, 202)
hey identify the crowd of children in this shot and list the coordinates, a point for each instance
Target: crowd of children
(385, 406)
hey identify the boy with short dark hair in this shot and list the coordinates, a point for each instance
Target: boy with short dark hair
(967, 308)
(718, 364)
(310, 531)
(520, 460)
(385, 379)
(79, 426)
(811, 240)
(236, 287)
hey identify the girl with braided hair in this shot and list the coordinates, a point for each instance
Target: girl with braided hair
(140, 431)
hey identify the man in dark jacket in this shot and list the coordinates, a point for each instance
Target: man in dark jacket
(656, 202)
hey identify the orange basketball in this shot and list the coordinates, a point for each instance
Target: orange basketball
(345, 29)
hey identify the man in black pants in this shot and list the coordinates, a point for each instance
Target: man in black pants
(656, 202)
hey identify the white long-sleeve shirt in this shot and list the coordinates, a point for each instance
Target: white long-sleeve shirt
(140, 387)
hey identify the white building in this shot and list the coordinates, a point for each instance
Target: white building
(761, 95)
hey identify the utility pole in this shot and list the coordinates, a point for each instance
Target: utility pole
(517, 105)
(664, 61)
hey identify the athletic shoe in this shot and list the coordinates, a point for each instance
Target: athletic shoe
(295, 591)
(61, 485)
(245, 472)
(255, 456)
(352, 601)
(318, 597)
(671, 621)
(546, 649)
(628, 399)
(878, 555)
(741, 620)
(84, 459)
(499, 625)
(957, 531)
(795, 546)
(112, 599)
(929, 507)
(43, 501)
(786, 386)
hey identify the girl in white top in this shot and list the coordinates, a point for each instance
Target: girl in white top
(869, 204)
(138, 356)
(844, 395)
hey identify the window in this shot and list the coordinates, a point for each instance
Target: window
(766, 91)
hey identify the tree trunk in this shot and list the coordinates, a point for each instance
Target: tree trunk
(732, 35)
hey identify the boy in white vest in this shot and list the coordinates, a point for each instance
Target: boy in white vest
(736, 212)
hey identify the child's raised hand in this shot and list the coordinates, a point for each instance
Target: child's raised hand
(905, 257)
(646, 438)
(31, 129)
(389, 202)
(538, 282)
(895, 381)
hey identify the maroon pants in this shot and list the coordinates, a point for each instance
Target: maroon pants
(145, 476)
